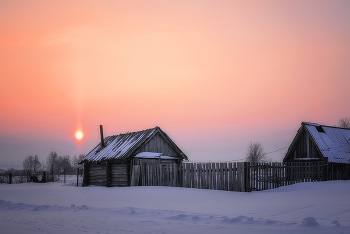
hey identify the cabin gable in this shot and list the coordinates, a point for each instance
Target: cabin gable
(303, 148)
(306, 148)
(158, 144)
(321, 143)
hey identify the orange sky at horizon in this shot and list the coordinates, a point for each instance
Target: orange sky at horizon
(214, 75)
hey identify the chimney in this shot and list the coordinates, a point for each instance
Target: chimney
(102, 141)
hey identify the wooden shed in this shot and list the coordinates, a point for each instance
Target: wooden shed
(112, 161)
(314, 142)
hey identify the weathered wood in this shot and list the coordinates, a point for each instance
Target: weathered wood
(86, 175)
(224, 168)
(234, 175)
(188, 175)
(204, 176)
(246, 177)
(119, 174)
(109, 174)
(230, 177)
(213, 176)
(239, 177)
(135, 175)
(199, 175)
(221, 176)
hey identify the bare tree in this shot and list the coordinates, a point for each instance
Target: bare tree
(255, 153)
(344, 122)
(32, 164)
(64, 163)
(52, 162)
(76, 160)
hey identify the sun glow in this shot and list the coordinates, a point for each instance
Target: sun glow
(79, 135)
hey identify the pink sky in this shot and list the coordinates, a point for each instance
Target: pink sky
(214, 75)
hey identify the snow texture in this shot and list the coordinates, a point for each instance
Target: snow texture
(334, 143)
(153, 155)
(313, 207)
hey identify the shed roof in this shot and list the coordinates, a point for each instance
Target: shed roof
(122, 146)
(332, 142)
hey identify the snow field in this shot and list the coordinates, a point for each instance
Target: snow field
(315, 207)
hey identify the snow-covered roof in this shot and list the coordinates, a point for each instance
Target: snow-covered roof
(122, 146)
(333, 142)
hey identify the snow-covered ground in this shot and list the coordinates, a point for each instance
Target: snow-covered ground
(315, 207)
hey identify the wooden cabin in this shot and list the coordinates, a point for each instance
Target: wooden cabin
(112, 161)
(314, 142)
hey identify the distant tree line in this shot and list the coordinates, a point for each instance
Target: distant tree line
(54, 163)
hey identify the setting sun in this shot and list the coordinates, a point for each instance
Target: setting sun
(79, 135)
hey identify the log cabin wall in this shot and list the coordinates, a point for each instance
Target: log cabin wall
(97, 174)
(120, 175)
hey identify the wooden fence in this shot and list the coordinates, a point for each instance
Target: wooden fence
(244, 177)
(24, 176)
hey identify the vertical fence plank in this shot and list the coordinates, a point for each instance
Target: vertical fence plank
(230, 177)
(195, 175)
(205, 176)
(224, 169)
(222, 177)
(187, 174)
(282, 181)
(239, 177)
(217, 176)
(252, 175)
(214, 176)
(271, 175)
(210, 179)
(184, 175)
(191, 168)
(235, 178)
(258, 177)
(199, 171)
(176, 175)
(263, 175)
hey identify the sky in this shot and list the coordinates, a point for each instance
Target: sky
(214, 75)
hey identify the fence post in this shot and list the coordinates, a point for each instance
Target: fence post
(43, 177)
(86, 174)
(52, 179)
(246, 177)
(10, 178)
(64, 175)
(77, 176)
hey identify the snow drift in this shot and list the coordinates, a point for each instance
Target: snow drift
(314, 207)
